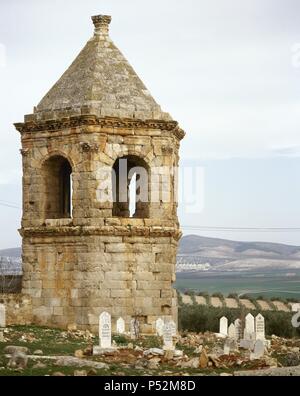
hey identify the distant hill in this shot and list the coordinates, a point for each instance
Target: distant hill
(222, 254)
(195, 244)
(13, 252)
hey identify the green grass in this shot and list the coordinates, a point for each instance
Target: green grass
(252, 284)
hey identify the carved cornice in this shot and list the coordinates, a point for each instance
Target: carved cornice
(34, 125)
(144, 231)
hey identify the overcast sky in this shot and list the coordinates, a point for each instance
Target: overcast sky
(225, 69)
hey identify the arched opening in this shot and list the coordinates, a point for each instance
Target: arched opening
(57, 173)
(130, 185)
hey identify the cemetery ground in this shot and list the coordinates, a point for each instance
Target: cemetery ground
(45, 351)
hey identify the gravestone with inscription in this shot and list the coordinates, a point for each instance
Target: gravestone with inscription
(105, 330)
(169, 331)
(260, 327)
(104, 334)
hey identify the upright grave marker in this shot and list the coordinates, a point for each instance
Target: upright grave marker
(223, 328)
(260, 327)
(169, 331)
(2, 315)
(120, 326)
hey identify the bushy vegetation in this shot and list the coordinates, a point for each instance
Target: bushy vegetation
(200, 318)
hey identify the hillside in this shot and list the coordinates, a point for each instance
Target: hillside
(224, 255)
(13, 252)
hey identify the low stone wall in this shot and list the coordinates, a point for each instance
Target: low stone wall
(18, 308)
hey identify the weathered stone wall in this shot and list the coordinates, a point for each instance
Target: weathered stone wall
(73, 279)
(74, 268)
(18, 309)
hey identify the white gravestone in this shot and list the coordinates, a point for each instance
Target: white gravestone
(120, 326)
(260, 327)
(2, 315)
(231, 331)
(159, 325)
(105, 330)
(169, 331)
(259, 350)
(223, 326)
(249, 332)
(238, 329)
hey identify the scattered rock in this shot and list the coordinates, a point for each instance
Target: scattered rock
(92, 372)
(70, 361)
(193, 363)
(203, 361)
(38, 352)
(138, 349)
(18, 360)
(80, 373)
(153, 364)
(72, 327)
(177, 353)
(11, 349)
(215, 361)
(154, 351)
(58, 374)
(169, 355)
(79, 353)
(271, 362)
(141, 364)
(88, 351)
(39, 365)
(198, 349)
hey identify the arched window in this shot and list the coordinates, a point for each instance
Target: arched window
(57, 173)
(130, 184)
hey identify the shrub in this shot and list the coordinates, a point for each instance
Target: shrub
(219, 295)
(200, 318)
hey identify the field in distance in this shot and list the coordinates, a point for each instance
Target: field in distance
(266, 284)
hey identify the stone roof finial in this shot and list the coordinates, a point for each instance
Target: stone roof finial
(101, 23)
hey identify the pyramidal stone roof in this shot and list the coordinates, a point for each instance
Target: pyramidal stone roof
(102, 81)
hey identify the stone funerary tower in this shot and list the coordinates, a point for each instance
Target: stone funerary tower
(83, 254)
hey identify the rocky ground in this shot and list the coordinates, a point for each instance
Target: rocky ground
(34, 350)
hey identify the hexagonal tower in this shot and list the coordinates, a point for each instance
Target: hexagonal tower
(92, 241)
